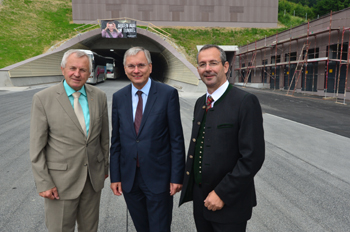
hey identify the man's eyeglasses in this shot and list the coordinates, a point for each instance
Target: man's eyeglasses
(211, 64)
(139, 66)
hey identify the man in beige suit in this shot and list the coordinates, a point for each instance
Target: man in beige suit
(69, 146)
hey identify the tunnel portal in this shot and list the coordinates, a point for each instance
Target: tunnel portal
(169, 66)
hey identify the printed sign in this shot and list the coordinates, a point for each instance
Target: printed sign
(118, 29)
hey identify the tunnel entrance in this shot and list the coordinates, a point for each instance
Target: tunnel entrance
(168, 65)
(159, 63)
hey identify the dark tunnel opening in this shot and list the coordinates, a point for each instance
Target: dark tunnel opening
(159, 64)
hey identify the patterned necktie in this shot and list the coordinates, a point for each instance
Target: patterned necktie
(79, 111)
(138, 118)
(138, 114)
(209, 101)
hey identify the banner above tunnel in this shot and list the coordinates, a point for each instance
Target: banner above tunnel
(118, 29)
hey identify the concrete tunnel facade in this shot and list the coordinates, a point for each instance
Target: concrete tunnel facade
(169, 66)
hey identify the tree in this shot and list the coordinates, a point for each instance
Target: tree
(326, 6)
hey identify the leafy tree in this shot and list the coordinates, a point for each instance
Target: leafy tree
(325, 6)
(312, 3)
(299, 9)
(311, 7)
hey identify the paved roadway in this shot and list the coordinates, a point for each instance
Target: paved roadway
(304, 184)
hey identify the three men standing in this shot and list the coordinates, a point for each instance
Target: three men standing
(69, 146)
(227, 149)
(70, 139)
(147, 156)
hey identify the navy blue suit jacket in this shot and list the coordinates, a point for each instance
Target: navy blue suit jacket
(159, 143)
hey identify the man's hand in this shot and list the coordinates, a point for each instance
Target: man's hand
(117, 188)
(174, 188)
(213, 202)
(51, 194)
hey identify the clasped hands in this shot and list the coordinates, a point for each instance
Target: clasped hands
(117, 188)
(213, 202)
(50, 194)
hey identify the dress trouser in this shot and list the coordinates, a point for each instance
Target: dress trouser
(149, 212)
(202, 224)
(61, 215)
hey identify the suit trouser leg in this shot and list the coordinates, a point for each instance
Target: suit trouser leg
(89, 208)
(149, 211)
(229, 227)
(62, 214)
(204, 225)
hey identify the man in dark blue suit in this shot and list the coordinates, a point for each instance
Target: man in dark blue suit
(147, 151)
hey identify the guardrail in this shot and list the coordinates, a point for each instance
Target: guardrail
(86, 27)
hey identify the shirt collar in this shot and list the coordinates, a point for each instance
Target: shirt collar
(219, 92)
(70, 91)
(144, 90)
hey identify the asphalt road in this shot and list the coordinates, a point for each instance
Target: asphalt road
(310, 110)
(304, 184)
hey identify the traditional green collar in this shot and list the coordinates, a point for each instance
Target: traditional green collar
(223, 96)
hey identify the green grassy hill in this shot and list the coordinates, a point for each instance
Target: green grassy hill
(29, 28)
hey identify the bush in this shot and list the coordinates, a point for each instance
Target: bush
(299, 9)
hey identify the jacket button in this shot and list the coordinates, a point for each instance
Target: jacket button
(198, 123)
(137, 141)
(191, 156)
(203, 107)
(194, 140)
(85, 165)
(187, 173)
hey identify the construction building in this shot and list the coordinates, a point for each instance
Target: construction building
(310, 58)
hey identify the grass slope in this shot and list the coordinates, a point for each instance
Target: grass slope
(188, 38)
(28, 28)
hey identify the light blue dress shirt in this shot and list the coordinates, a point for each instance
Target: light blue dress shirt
(135, 97)
(82, 100)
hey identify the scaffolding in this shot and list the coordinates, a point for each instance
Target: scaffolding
(249, 68)
(299, 68)
(307, 58)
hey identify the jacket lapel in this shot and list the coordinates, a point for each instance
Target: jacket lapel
(199, 114)
(93, 110)
(152, 96)
(62, 98)
(129, 116)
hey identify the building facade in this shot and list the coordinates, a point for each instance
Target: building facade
(208, 13)
(312, 58)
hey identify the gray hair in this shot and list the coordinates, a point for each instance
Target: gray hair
(134, 50)
(222, 52)
(78, 53)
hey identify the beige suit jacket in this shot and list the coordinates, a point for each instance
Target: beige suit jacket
(60, 153)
